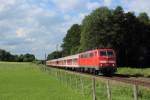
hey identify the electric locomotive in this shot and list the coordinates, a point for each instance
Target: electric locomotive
(93, 61)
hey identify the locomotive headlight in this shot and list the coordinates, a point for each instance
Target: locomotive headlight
(111, 61)
(103, 61)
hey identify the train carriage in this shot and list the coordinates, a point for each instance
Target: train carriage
(69, 61)
(99, 60)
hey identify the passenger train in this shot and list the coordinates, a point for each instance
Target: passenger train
(94, 61)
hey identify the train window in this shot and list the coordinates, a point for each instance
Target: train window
(109, 53)
(106, 53)
(74, 61)
(79, 56)
(82, 56)
(95, 53)
(91, 54)
(87, 55)
(103, 53)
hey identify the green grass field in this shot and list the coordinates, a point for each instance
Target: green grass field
(145, 72)
(25, 81)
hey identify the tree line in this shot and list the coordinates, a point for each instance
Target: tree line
(125, 32)
(7, 56)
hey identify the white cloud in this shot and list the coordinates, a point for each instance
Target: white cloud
(67, 5)
(30, 39)
(5, 4)
(21, 32)
(63, 3)
(107, 2)
(25, 26)
(138, 6)
(92, 5)
(36, 11)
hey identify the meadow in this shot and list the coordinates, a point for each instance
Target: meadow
(25, 81)
(28, 81)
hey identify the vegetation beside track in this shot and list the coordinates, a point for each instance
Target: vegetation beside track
(119, 90)
(135, 72)
(25, 81)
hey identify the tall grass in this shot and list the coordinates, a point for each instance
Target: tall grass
(139, 72)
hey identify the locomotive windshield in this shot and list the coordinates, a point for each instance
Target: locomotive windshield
(106, 53)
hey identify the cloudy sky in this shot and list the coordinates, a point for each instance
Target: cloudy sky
(37, 26)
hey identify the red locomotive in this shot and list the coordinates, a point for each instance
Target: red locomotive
(95, 61)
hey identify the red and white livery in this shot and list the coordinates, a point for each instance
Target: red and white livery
(99, 60)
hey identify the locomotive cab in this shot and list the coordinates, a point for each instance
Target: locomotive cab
(107, 61)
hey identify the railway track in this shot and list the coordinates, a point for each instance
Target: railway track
(117, 78)
(130, 81)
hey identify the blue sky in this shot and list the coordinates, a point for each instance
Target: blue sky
(37, 26)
